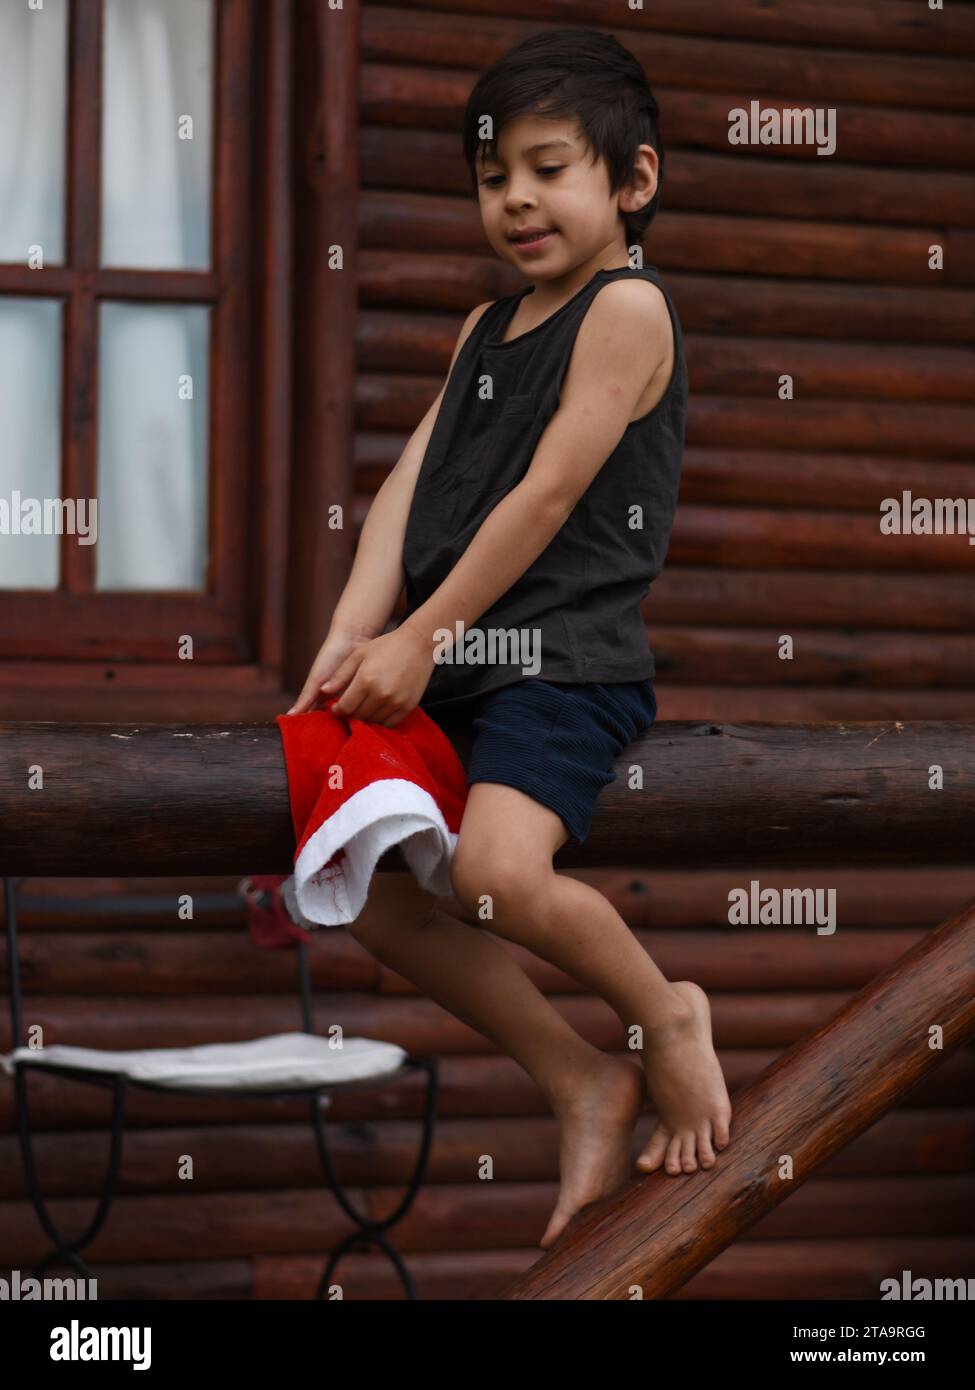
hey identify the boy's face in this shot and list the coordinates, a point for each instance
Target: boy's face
(542, 176)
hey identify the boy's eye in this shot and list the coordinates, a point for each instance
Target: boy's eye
(493, 180)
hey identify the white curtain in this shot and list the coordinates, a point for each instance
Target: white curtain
(155, 214)
(158, 71)
(33, 54)
(33, 57)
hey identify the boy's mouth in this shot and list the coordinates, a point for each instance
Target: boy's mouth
(531, 237)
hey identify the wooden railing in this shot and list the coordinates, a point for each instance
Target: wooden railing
(213, 799)
(145, 799)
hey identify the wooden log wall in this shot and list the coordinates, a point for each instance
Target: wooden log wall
(779, 261)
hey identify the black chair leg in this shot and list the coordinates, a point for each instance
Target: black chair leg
(67, 1250)
(368, 1231)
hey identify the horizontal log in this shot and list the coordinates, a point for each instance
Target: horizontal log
(775, 538)
(767, 477)
(467, 1215)
(750, 656)
(524, 1149)
(812, 704)
(187, 1280)
(657, 1232)
(711, 703)
(430, 160)
(656, 900)
(701, 241)
(717, 366)
(772, 538)
(435, 98)
(922, 1204)
(439, 1274)
(419, 36)
(862, 792)
(167, 963)
(51, 699)
(739, 366)
(663, 900)
(740, 304)
(422, 1027)
(739, 959)
(766, 1270)
(827, 1269)
(295, 1277)
(875, 25)
(130, 904)
(845, 482)
(849, 482)
(160, 964)
(896, 428)
(691, 594)
(795, 1269)
(469, 1084)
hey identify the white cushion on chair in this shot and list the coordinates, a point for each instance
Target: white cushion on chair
(282, 1061)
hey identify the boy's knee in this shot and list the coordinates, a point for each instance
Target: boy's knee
(395, 902)
(474, 877)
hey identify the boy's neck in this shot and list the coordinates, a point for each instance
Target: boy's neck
(557, 290)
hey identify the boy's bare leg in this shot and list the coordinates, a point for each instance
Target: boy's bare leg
(505, 851)
(470, 973)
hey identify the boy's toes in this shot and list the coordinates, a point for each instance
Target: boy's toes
(689, 1153)
(673, 1155)
(722, 1131)
(653, 1154)
(556, 1225)
(704, 1146)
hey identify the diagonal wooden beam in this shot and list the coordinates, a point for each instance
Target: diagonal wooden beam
(655, 1233)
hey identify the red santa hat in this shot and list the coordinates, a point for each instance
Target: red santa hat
(356, 790)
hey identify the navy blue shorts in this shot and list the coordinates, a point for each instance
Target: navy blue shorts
(558, 742)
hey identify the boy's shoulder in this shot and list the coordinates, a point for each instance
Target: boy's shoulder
(639, 301)
(634, 314)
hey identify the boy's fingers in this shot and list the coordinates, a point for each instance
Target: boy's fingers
(350, 700)
(342, 674)
(307, 697)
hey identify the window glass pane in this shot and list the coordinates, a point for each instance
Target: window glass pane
(30, 447)
(153, 410)
(157, 104)
(33, 59)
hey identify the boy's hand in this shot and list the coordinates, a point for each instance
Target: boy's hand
(331, 654)
(385, 678)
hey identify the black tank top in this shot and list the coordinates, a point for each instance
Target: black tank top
(578, 605)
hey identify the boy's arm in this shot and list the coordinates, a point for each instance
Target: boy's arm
(623, 342)
(377, 577)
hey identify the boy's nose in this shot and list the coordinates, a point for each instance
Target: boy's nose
(518, 198)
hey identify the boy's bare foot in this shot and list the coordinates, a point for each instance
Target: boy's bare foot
(685, 1080)
(597, 1120)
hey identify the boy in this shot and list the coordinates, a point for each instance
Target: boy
(536, 497)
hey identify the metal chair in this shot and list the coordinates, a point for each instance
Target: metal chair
(365, 1062)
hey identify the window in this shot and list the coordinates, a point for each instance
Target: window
(126, 389)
